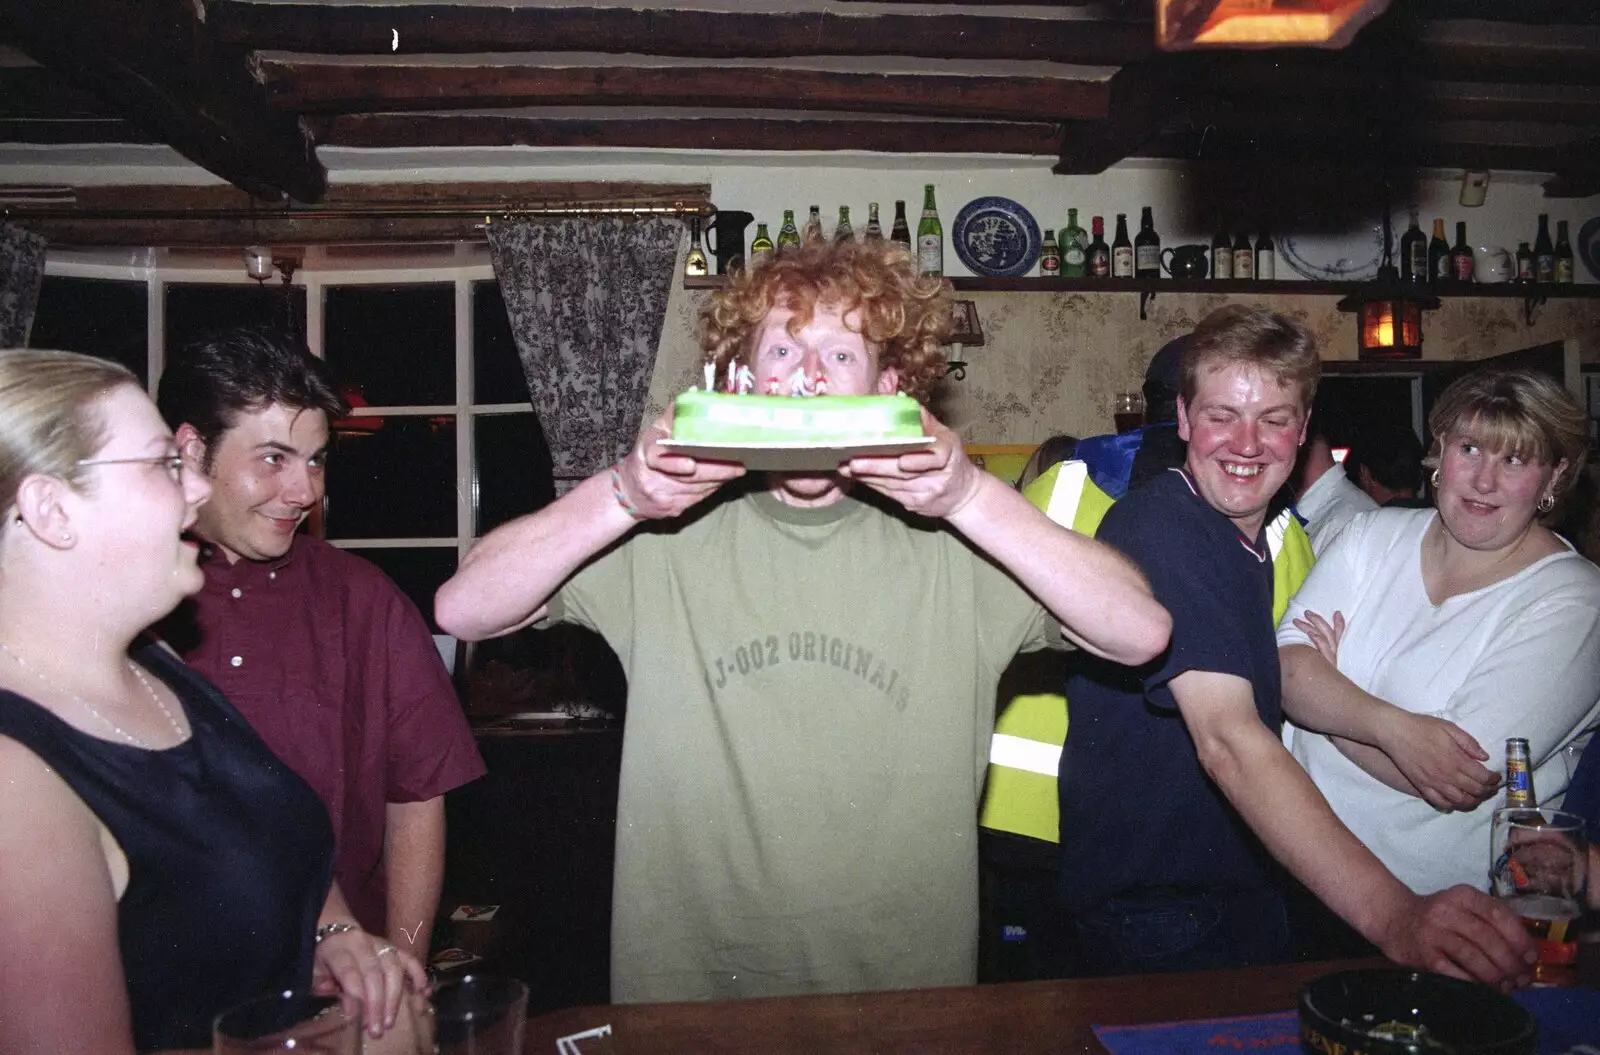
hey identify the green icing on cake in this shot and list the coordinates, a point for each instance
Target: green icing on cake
(717, 417)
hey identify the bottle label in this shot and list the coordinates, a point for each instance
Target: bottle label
(1544, 268)
(930, 254)
(1147, 258)
(1518, 793)
(1563, 269)
(1074, 256)
(1122, 262)
(1222, 263)
(1050, 265)
(1243, 264)
(1418, 265)
(1100, 264)
(1442, 267)
(1461, 269)
(1266, 265)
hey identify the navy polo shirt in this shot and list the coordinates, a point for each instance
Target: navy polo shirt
(1138, 814)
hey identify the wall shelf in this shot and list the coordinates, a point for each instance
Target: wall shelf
(1289, 287)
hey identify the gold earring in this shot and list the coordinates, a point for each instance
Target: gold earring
(1435, 478)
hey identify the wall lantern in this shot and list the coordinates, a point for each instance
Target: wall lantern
(258, 263)
(1389, 316)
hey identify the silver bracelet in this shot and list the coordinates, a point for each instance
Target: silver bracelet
(328, 930)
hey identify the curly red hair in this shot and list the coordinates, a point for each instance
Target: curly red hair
(904, 316)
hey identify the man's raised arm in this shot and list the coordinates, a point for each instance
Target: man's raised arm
(503, 584)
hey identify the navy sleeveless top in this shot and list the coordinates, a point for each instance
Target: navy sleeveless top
(230, 856)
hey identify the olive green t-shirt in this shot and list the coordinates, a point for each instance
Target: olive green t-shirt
(810, 701)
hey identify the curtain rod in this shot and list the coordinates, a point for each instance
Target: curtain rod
(373, 212)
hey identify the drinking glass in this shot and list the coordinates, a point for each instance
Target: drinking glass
(1539, 868)
(1127, 410)
(479, 1014)
(288, 1021)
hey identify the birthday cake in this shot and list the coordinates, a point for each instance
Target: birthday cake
(735, 420)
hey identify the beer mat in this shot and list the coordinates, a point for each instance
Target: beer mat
(474, 913)
(1270, 1034)
(1569, 1019)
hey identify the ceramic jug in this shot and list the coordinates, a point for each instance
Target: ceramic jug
(1186, 261)
(728, 248)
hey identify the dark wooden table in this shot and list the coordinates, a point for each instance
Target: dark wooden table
(1020, 1017)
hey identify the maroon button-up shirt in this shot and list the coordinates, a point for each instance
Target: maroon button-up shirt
(336, 670)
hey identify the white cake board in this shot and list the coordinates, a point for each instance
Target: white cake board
(795, 457)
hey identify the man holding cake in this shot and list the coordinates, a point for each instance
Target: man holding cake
(812, 657)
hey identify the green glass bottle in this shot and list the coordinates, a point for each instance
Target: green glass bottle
(788, 234)
(1074, 244)
(761, 246)
(930, 236)
(842, 231)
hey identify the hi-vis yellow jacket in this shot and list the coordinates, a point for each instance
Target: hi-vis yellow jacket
(1019, 795)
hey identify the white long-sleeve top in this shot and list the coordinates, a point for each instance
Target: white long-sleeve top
(1518, 658)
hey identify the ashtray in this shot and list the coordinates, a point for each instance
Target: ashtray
(1395, 1011)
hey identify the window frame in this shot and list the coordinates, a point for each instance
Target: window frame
(315, 282)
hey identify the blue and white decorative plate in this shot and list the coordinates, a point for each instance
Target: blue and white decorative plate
(1588, 247)
(996, 237)
(1352, 257)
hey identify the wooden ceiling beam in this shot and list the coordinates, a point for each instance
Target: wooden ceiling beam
(69, 131)
(309, 84)
(409, 29)
(1143, 98)
(152, 63)
(690, 133)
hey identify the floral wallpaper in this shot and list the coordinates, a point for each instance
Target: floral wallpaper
(1052, 362)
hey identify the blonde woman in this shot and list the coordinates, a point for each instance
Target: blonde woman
(157, 862)
(1425, 637)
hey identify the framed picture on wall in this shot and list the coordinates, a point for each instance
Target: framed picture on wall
(968, 330)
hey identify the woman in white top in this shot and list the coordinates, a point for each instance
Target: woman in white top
(1426, 637)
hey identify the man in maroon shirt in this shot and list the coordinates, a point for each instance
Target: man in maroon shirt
(321, 652)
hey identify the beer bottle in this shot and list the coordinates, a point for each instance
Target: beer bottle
(1438, 254)
(1563, 269)
(874, 232)
(842, 231)
(1074, 248)
(1099, 255)
(1461, 259)
(1414, 253)
(1519, 776)
(1147, 248)
(788, 234)
(813, 228)
(761, 246)
(900, 232)
(1544, 254)
(930, 236)
(1244, 258)
(1049, 256)
(1266, 257)
(1221, 255)
(1524, 262)
(1121, 250)
(694, 265)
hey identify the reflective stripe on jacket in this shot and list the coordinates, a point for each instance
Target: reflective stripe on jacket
(1019, 794)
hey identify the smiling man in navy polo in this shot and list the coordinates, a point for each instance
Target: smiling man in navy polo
(1179, 804)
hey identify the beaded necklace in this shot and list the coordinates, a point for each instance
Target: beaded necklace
(86, 705)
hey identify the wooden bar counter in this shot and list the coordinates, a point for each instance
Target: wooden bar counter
(1020, 1017)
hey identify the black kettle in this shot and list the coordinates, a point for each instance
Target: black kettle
(728, 226)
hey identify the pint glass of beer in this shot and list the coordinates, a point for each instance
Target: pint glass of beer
(1127, 411)
(1539, 864)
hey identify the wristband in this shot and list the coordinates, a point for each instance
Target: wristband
(622, 499)
(328, 930)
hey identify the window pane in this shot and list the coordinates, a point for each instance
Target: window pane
(393, 477)
(418, 572)
(513, 468)
(196, 311)
(96, 317)
(396, 345)
(497, 375)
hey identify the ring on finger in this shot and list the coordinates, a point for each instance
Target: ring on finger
(384, 950)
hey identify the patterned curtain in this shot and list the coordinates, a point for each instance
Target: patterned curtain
(587, 297)
(21, 272)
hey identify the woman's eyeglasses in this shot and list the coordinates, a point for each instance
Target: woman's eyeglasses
(172, 462)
